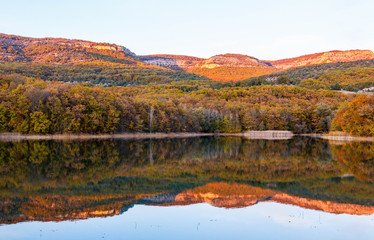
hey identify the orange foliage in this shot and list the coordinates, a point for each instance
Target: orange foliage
(231, 73)
(357, 117)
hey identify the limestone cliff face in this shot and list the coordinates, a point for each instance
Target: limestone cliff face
(321, 58)
(176, 62)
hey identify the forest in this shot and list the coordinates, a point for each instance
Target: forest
(107, 74)
(32, 106)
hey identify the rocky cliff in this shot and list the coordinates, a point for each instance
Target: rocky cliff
(176, 62)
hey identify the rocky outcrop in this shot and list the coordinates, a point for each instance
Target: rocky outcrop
(176, 62)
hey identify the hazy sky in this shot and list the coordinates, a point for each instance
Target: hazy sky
(266, 29)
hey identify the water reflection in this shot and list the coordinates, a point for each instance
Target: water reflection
(56, 180)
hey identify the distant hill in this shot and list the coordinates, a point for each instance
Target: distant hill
(116, 65)
(82, 61)
(234, 67)
(322, 58)
(350, 76)
(226, 67)
(59, 50)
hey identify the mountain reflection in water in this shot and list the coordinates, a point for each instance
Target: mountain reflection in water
(61, 180)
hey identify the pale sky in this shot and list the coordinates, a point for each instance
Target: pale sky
(266, 29)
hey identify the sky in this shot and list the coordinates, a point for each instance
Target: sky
(266, 29)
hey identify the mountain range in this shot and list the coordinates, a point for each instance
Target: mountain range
(224, 67)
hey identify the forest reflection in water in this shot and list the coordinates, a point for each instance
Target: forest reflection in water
(60, 180)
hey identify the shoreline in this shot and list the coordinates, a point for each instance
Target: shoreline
(265, 135)
(4, 137)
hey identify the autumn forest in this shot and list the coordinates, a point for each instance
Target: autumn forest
(50, 86)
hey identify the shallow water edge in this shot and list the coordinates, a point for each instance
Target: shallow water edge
(266, 135)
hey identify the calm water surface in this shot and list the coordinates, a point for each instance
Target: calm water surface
(221, 188)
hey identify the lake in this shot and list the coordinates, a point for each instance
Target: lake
(187, 188)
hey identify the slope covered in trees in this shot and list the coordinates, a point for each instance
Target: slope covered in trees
(225, 67)
(34, 106)
(82, 61)
(111, 64)
(351, 76)
(107, 74)
(59, 50)
(322, 58)
(235, 67)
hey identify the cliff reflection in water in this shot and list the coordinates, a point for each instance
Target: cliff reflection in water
(56, 180)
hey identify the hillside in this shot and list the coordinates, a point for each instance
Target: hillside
(226, 67)
(350, 76)
(234, 67)
(322, 58)
(111, 64)
(59, 50)
(81, 61)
